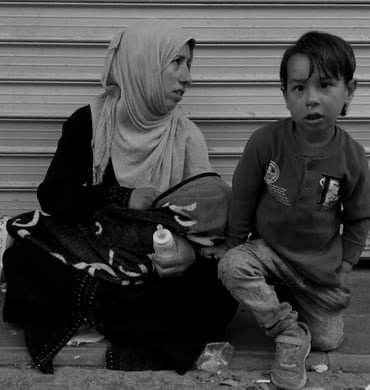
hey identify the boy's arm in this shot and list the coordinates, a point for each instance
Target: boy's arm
(355, 216)
(247, 185)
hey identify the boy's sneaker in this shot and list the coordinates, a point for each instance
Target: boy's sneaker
(292, 348)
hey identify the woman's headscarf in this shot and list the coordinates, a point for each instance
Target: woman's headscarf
(148, 145)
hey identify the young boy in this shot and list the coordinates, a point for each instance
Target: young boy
(298, 181)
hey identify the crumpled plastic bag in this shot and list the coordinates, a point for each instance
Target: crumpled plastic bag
(84, 335)
(215, 357)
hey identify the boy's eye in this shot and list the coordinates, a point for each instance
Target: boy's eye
(326, 84)
(298, 88)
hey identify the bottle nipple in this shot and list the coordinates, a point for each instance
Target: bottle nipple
(161, 234)
(163, 242)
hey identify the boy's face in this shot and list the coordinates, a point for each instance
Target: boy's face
(315, 103)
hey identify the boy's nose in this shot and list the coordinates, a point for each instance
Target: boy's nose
(312, 97)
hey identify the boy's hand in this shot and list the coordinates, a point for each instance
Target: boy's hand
(214, 252)
(343, 273)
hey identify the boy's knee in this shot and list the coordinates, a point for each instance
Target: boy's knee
(236, 264)
(327, 342)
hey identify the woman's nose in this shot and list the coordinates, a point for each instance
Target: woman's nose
(185, 76)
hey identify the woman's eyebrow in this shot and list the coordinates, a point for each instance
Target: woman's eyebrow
(183, 56)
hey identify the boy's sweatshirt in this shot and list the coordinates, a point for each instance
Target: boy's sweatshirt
(297, 197)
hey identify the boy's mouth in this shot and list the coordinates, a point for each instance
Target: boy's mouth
(313, 117)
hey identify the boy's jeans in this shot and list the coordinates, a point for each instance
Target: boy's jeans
(250, 270)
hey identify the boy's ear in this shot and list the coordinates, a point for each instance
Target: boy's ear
(351, 88)
(283, 91)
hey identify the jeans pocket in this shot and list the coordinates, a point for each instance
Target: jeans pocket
(329, 299)
(346, 295)
(340, 298)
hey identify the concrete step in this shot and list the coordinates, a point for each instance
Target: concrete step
(253, 350)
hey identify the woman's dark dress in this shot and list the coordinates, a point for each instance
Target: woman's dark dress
(163, 323)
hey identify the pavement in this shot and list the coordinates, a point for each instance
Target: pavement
(347, 368)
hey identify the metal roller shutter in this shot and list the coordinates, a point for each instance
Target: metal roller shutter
(51, 57)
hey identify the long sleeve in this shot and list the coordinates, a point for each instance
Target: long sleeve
(67, 191)
(246, 189)
(356, 210)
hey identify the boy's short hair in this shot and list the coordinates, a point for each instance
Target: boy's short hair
(326, 52)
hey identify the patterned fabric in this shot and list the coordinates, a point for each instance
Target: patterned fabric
(115, 243)
(5, 241)
(118, 195)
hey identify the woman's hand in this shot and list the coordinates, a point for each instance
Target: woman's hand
(142, 198)
(176, 266)
(214, 252)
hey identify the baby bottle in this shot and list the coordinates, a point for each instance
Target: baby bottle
(163, 243)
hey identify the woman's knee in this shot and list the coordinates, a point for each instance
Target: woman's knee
(12, 258)
(21, 257)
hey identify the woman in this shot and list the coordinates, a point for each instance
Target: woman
(127, 147)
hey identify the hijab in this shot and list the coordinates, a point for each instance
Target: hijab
(149, 145)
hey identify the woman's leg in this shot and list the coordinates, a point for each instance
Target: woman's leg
(164, 323)
(42, 296)
(160, 324)
(36, 281)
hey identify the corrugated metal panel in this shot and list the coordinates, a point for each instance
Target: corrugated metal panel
(52, 53)
(204, 99)
(23, 134)
(212, 21)
(84, 61)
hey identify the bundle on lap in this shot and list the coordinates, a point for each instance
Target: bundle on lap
(114, 244)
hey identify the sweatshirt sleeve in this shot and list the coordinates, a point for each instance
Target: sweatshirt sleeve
(247, 184)
(67, 191)
(356, 210)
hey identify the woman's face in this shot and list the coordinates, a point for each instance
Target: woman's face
(176, 77)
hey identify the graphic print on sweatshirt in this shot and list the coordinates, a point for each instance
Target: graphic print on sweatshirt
(330, 187)
(271, 176)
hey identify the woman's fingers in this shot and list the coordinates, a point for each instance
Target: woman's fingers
(169, 271)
